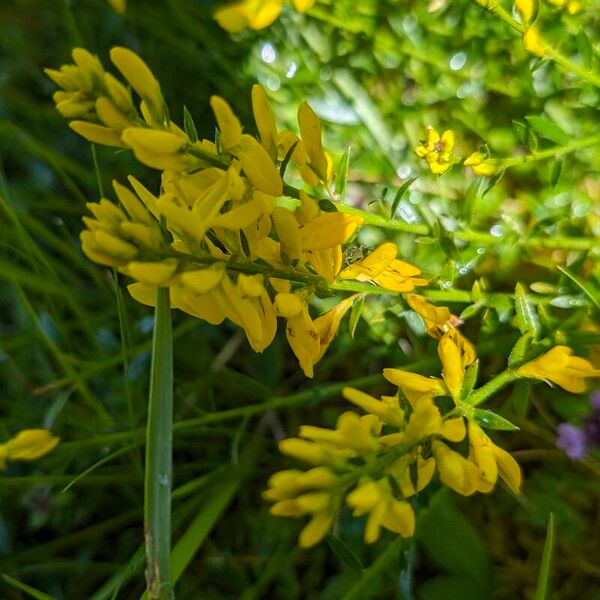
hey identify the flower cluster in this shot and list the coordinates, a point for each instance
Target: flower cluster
(29, 444)
(578, 441)
(377, 462)
(254, 14)
(224, 235)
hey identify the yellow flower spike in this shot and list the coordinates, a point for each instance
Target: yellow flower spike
(532, 41)
(97, 134)
(327, 325)
(28, 444)
(141, 79)
(288, 484)
(89, 66)
(229, 125)
(438, 319)
(455, 471)
(387, 409)
(559, 366)
(265, 120)
(310, 131)
(288, 232)
(328, 230)
(151, 273)
(258, 167)
(288, 305)
(111, 115)
(73, 108)
(415, 386)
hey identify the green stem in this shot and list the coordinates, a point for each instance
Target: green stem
(159, 444)
(490, 388)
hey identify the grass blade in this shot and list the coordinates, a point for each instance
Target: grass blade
(27, 589)
(542, 591)
(159, 444)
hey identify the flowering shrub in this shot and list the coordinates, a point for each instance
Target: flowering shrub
(426, 232)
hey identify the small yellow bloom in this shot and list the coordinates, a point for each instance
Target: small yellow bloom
(310, 131)
(559, 366)
(438, 319)
(415, 386)
(265, 120)
(455, 471)
(302, 5)
(157, 149)
(532, 41)
(387, 409)
(480, 165)
(29, 444)
(492, 461)
(375, 498)
(456, 354)
(436, 150)
(382, 268)
(97, 134)
(255, 14)
(525, 9)
(327, 324)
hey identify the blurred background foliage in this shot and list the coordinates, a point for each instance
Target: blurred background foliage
(377, 72)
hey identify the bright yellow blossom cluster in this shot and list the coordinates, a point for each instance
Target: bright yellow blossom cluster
(221, 235)
(376, 463)
(437, 150)
(254, 14)
(29, 444)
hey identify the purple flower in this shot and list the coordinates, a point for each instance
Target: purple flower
(572, 440)
(595, 401)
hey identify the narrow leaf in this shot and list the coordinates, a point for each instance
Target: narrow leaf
(355, 314)
(344, 553)
(27, 589)
(342, 174)
(542, 590)
(491, 420)
(527, 317)
(189, 126)
(586, 50)
(400, 193)
(555, 171)
(548, 129)
(592, 293)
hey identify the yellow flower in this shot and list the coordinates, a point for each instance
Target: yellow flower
(438, 319)
(157, 149)
(532, 41)
(310, 131)
(401, 472)
(382, 268)
(492, 461)
(481, 165)
(415, 386)
(456, 354)
(559, 366)
(352, 432)
(455, 471)
(375, 498)
(265, 120)
(387, 409)
(436, 150)
(29, 444)
(255, 14)
(327, 324)
(525, 9)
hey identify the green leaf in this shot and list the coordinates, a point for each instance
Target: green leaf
(555, 171)
(531, 141)
(470, 379)
(344, 553)
(520, 130)
(341, 177)
(491, 420)
(27, 589)
(519, 350)
(548, 129)
(586, 50)
(355, 314)
(527, 317)
(470, 311)
(400, 193)
(542, 590)
(189, 126)
(492, 183)
(327, 205)
(592, 293)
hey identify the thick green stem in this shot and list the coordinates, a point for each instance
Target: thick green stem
(159, 443)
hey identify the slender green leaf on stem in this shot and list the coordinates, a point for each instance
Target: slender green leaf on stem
(159, 444)
(358, 589)
(542, 590)
(31, 592)
(587, 289)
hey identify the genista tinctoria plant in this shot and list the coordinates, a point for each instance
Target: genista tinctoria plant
(253, 229)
